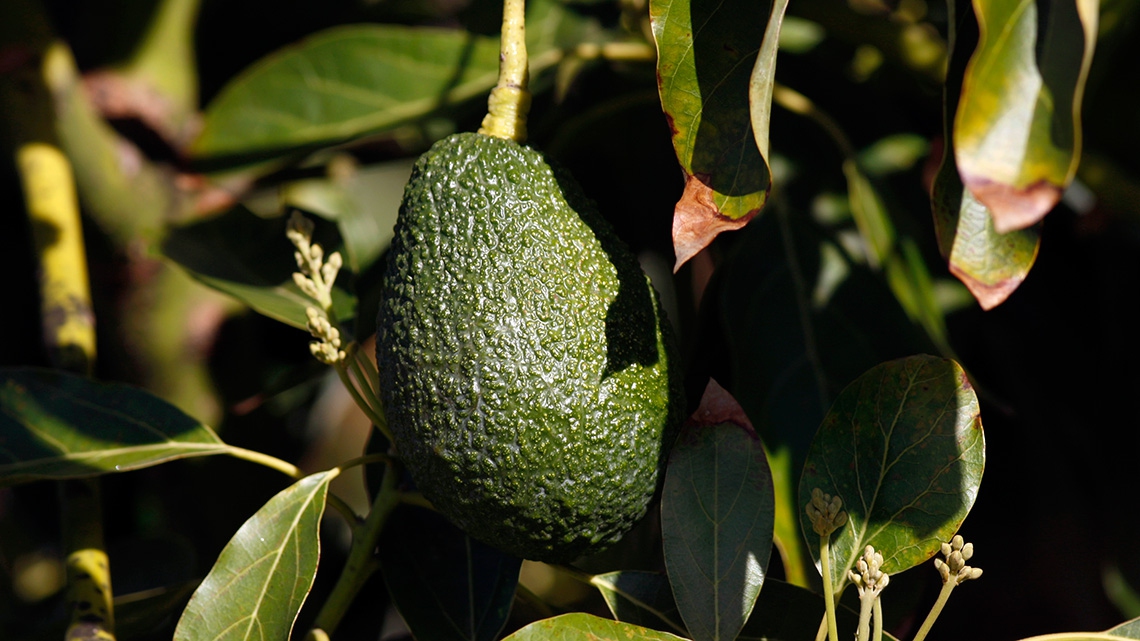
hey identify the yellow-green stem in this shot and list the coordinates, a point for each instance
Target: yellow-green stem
(866, 605)
(272, 462)
(828, 590)
(361, 563)
(510, 100)
(943, 596)
(877, 633)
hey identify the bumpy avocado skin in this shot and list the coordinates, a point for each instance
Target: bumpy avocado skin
(528, 374)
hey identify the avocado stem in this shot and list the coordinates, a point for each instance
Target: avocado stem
(510, 100)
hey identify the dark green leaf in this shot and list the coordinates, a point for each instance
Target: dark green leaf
(250, 258)
(55, 426)
(706, 54)
(641, 598)
(716, 518)
(991, 265)
(1017, 126)
(903, 447)
(579, 626)
(446, 585)
(263, 575)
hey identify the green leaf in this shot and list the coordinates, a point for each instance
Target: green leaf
(345, 82)
(716, 518)
(250, 258)
(261, 578)
(705, 69)
(991, 265)
(352, 81)
(1017, 126)
(55, 425)
(446, 585)
(640, 598)
(763, 79)
(903, 448)
(579, 626)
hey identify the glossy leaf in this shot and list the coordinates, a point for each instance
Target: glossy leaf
(579, 626)
(346, 82)
(991, 265)
(250, 258)
(788, 366)
(717, 518)
(446, 585)
(263, 575)
(1017, 127)
(55, 425)
(903, 447)
(706, 53)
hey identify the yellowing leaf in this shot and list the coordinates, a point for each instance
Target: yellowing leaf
(1017, 127)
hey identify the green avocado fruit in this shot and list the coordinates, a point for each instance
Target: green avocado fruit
(527, 371)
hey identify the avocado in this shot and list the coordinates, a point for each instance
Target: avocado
(528, 374)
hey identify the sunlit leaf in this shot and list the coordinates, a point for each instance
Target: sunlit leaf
(902, 446)
(250, 259)
(345, 82)
(579, 626)
(263, 575)
(55, 425)
(990, 264)
(446, 585)
(716, 518)
(350, 81)
(706, 54)
(1017, 127)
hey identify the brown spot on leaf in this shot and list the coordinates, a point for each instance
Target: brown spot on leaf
(988, 295)
(697, 221)
(1013, 208)
(719, 407)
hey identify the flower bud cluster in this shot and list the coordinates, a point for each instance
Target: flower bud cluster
(957, 552)
(316, 280)
(317, 275)
(825, 512)
(867, 575)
